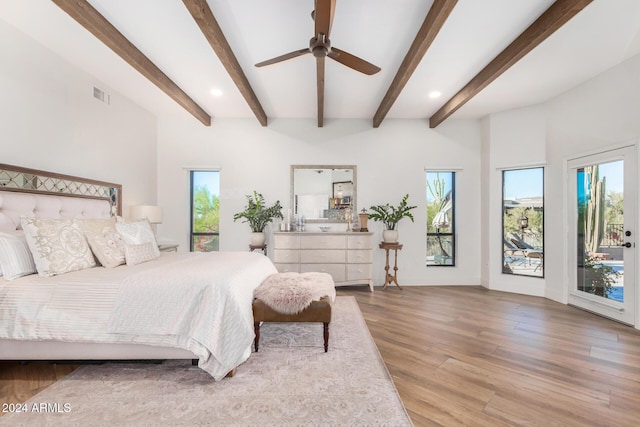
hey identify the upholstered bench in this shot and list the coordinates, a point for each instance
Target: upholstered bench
(294, 297)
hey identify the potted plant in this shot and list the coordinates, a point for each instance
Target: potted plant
(390, 216)
(258, 215)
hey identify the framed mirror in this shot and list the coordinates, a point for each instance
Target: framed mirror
(323, 193)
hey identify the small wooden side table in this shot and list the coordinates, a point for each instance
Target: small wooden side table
(391, 278)
(263, 248)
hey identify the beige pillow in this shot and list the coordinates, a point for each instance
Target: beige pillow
(137, 233)
(104, 240)
(137, 254)
(95, 225)
(108, 247)
(57, 245)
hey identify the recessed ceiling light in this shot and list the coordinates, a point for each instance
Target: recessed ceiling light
(434, 94)
(216, 92)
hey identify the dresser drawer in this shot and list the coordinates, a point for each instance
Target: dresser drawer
(337, 271)
(287, 268)
(286, 256)
(286, 241)
(322, 242)
(359, 242)
(360, 256)
(323, 256)
(359, 272)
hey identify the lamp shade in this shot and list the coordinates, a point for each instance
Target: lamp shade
(150, 212)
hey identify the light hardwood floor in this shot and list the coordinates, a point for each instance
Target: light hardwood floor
(470, 356)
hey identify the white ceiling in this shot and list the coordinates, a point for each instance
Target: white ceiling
(380, 31)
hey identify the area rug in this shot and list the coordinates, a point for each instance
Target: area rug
(290, 381)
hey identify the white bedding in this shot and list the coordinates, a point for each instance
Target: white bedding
(200, 302)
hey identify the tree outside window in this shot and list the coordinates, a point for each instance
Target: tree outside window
(205, 211)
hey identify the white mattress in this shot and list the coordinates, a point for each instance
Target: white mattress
(80, 306)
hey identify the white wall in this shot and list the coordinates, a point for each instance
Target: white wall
(391, 161)
(513, 139)
(601, 113)
(49, 120)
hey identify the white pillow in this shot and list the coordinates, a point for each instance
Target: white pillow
(57, 245)
(137, 254)
(137, 233)
(15, 257)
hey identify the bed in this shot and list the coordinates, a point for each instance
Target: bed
(174, 306)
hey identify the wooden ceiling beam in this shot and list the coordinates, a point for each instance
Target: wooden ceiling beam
(87, 16)
(435, 19)
(558, 14)
(202, 14)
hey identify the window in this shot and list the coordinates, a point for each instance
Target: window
(441, 242)
(205, 211)
(523, 222)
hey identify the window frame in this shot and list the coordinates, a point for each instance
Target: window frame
(502, 221)
(193, 234)
(452, 233)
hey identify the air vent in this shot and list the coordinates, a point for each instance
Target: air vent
(100, 95)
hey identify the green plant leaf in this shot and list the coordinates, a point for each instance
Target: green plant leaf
(389, 215)
(257, 214)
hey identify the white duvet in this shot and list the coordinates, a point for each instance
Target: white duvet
(200, 302)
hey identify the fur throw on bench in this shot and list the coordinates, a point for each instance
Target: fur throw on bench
(290, 293)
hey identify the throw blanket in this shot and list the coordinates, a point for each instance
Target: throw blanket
(203, 301)
(290, 293)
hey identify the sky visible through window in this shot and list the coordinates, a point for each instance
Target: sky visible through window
(528, 183)
(614, 173)
(446, 177)
(209, 180)
(524, 183)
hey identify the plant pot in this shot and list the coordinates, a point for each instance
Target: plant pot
(257, 238)
(390, 236)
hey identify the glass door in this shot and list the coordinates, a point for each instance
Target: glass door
(602, 234)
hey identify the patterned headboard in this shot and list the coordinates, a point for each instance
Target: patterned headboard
(31, 192)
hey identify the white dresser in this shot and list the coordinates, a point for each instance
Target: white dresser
(347, 256)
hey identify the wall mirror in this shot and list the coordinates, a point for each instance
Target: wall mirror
(323, 193)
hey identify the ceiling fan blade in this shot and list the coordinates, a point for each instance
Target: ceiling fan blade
(320, 74)
(284, 57)
(323, 16)
(351, 61)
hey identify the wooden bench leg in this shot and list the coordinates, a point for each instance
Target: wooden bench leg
(326, 336)
(256, 329)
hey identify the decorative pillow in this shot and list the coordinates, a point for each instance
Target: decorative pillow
(15, 257)
(108, 247)
(95, 225)
(104, 240)
(137, 254)
(57, 245)
(137, 233)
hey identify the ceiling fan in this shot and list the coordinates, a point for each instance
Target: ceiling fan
(320, 47)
